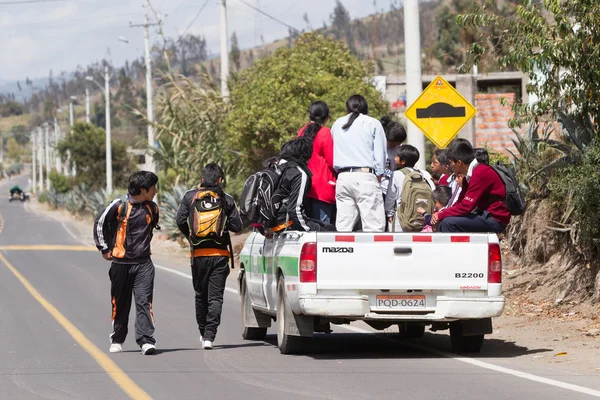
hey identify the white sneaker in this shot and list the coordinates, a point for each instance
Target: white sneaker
(202, 341)
(116, 348)
(207, 345)
(148, 349)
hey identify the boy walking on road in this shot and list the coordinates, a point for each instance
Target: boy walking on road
(205, 216)
(123, 232)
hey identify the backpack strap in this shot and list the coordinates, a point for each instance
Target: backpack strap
(123, 210)
(228, 238)
(407, 172)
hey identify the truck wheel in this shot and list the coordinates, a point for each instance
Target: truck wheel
(287, 344)
(249, 333)
(411, 331)
(462, 343)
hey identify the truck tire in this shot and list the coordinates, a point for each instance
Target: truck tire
(287, 344)
(249, 333)
(411, 331)
(462, 343)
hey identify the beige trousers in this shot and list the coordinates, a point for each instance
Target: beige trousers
(358, 195)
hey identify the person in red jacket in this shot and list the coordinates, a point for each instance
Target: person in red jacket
(480, 207)
(322, 191)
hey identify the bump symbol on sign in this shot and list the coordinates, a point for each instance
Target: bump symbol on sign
(441, 110)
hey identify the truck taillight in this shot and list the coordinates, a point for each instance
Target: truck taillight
(308, 263)
(494, 264)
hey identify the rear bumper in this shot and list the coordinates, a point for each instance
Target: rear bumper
(357, 307)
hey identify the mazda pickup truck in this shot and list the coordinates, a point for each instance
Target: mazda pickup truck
(306, 281)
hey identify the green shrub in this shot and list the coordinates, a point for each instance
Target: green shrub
(43, 197)
(59, 182)
(578, 190)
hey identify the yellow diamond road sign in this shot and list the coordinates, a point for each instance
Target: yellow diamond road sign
(440, 112)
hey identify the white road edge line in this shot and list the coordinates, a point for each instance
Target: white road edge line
(483, 364)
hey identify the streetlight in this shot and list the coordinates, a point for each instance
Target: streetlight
(106, 90)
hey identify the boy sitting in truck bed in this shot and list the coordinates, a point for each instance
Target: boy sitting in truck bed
(483, 191)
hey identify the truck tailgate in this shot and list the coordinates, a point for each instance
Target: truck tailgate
(402, 261)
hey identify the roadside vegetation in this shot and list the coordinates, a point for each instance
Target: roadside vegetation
(557, 137)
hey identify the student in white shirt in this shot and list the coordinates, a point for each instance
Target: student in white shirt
(359, 153)
(406, 157)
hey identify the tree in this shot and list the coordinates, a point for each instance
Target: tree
(341, 24)
(20, 134)
(271, 99)
(235, 52)
(189, 50)
(14, 149)
(190, 129)
(556, 44)
(307, 22)
(87, 146)
(340, 20)
(10, 108)
(448, 48)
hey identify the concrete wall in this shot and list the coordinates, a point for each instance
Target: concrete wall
(492, 122)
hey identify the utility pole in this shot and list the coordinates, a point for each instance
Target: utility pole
(106, 90)
(150, 108)
(224, 50)
(57, 159)
(72, 122)
(71, 118)
(87, 105)
(40, 160)
(414, 84)
(33, 161)
(47, 154)
(109, 187)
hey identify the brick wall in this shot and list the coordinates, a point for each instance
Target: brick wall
(492, 122)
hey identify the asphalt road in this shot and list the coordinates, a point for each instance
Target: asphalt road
(55, 321)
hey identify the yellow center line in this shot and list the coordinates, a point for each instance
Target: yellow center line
(108, 365)
(48, 247)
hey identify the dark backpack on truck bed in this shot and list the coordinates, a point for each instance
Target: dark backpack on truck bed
(260, 200)
(514, 201)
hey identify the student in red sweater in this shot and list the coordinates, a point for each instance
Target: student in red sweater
(322, 191)
(483, 193)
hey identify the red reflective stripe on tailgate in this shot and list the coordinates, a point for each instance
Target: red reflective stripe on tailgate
(344, 238)
(417, 238)
(386, 238)
(460, 239)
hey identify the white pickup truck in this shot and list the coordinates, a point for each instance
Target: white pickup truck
(307, 280)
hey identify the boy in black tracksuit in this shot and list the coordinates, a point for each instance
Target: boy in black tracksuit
(123, 236)
(209, 258)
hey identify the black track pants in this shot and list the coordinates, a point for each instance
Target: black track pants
(209, 275)
(127, 280)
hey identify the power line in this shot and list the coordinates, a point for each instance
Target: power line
(30, 1)
(269, 16)
(194, 20)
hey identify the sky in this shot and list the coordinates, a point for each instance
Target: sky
(61, 35)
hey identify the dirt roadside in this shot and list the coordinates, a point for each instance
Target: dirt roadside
(534, 331)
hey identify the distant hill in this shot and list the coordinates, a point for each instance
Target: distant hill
(25, 92)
